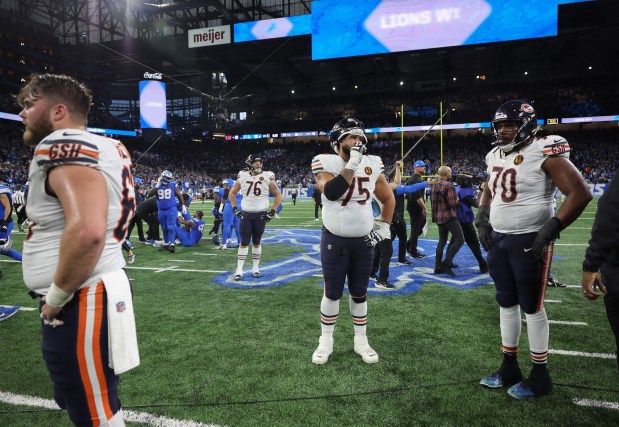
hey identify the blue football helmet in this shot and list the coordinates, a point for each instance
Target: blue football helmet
(347, 126)
(166, 177)
(521, 113)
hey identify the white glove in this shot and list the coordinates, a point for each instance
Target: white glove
(184, 209)
(356, 154)
(382, 232)
(159, 184)
(221, 208)
(19, 208)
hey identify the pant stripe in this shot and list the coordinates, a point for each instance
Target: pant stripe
(89, 354)
(545, 275)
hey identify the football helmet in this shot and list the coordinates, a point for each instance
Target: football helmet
(166, 177)
(347, 126)
(6, 245)
(523, 114)
(250, 161)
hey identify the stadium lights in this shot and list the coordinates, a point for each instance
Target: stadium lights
(292, 91)
(526, 72)
(401, 83)
(355, 86)
(590, 67)
(333, 88)
(454, 79)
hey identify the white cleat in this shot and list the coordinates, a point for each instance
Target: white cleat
(238, 275)
(324, 350)
(363, 349)
(256, 274)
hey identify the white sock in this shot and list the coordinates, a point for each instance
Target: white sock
(256, 252)
(511, 326)
(242, 254)
(359, 313)
(329, 310)
(538, 332)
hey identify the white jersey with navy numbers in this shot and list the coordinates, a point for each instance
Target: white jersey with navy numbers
(522, 192)
(350, 215)
(255, 190)
(42, 245)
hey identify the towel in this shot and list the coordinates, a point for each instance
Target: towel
(122, 336)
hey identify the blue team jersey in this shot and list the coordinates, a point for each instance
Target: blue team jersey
(239, 196)
(166, 197)
(4, 189)
(195, 233)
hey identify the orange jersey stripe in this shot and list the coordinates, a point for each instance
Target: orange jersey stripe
(42, 152)
(90, 153)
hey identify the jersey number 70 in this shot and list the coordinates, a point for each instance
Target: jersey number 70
(507, 178)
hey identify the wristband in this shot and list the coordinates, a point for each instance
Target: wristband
(56, 297)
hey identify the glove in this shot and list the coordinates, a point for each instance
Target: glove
(356, 154)
(379, 234)
(18, 210)
(268, 216)
(184, 209)
(545, 235)
(159, 182)
(238, 213)
(4, 226)
(221, 208)
(484, 228)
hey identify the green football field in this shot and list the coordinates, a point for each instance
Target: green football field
(215, 352)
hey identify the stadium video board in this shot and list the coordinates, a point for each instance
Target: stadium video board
(273, 28)
(153, 105)
(367, 27)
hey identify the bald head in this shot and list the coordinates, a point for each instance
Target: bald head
(444, 172)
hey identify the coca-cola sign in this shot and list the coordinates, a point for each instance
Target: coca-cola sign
(155, 76)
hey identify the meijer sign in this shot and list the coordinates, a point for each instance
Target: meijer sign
(209, 36)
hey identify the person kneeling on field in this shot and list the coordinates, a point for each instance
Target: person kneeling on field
(190, 231)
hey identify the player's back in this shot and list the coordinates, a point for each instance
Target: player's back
(75, 147)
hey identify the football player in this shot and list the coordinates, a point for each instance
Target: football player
(190, 231)
(254, 184)
(348, 179)
(6, 223)
(230, 220)
(81, 200)
(517, 227)
(166, 191)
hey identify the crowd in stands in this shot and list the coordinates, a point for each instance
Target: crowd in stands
(595, 153)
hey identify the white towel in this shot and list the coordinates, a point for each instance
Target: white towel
(122, 336)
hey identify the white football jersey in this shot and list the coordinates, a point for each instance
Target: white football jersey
(522, 192)
(42, 245)
(255, 190)
(350, 215)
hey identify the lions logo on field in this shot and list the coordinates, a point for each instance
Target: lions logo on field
(406, 278)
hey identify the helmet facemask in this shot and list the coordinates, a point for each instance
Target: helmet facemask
(348, 126)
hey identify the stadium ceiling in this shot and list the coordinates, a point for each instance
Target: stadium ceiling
(116, 41)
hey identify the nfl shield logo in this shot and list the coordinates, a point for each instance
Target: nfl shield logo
(120, 306)
(329, 247)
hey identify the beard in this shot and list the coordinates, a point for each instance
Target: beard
(35, 133)
(346, 151)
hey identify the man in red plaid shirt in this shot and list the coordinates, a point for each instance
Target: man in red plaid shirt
(444, 201)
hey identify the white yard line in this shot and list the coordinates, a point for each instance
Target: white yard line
(553, 301)
(595, 403)
(583, 354)
(173, 268)
(133, 416)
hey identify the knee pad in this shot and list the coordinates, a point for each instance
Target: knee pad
(360, 299)
(333, 294)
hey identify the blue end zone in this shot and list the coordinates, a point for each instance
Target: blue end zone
(407, 279)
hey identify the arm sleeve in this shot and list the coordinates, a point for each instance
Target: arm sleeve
(407, 189)
(603, 245)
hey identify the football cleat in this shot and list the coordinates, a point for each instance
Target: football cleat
(555, 283)
(324, 350)
(164, 248)
(363, 349)
(172, 249)
(256, 274)
(521, 390)
(383, 284)
(238, 275)
(504, 377)
(418, 255)
(405, 262)
(131, 259)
